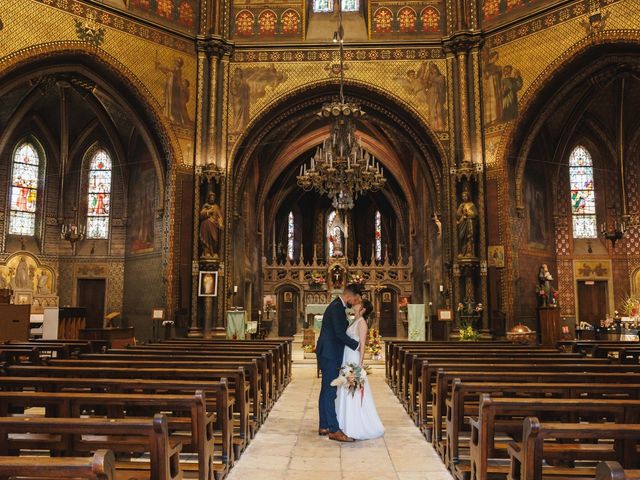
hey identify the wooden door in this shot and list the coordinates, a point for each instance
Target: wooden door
(388, 310)
(91, 295)
(287, 312)
(592, 301)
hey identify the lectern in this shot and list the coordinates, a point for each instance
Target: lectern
(549, 325)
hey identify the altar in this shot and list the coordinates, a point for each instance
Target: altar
(311, 314)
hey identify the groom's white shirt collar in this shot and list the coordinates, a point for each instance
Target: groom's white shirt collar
(343, 302)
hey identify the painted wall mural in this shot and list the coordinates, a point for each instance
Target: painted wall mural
(176, 92)
(421, 83)
(142, 194)
(248, 85)
(428, 86)
(180, 14)
(393, 19)
(501, 86)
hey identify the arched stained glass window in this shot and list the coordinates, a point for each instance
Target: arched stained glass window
(24, 190)
(99, 195)
(335, 236)
(583, 197)
(322, 6)
(350, 5)
(378, 235)
(290, 235)
(325, 6)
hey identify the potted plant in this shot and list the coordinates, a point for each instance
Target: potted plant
(309, 351)
(317, 280)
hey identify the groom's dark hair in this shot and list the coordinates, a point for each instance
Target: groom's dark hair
(354, 289)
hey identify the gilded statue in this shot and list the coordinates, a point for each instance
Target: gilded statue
(211, 225)
(466, 219)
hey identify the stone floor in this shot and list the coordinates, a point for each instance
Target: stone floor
(288, 446)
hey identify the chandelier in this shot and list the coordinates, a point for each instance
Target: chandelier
(340, 168)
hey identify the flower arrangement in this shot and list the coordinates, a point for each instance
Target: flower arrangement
(403, 305)
(374, 345)
(356, 278)
(317, 278)
(352, 377)
(308, 348)
(631, 306)
(469, 334)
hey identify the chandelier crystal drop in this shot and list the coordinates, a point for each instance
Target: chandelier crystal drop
(340, 167)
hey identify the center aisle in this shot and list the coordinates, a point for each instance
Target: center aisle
(288, 445)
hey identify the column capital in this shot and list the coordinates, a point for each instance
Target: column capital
(462, 42)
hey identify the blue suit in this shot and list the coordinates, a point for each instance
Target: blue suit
(329, 353)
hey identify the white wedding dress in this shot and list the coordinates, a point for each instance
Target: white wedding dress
(357, 415)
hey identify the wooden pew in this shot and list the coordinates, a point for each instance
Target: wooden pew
(254, 370)
(237, 385)
(199, 425)
(432, 414)
(79, 435)
(587, 346)
(279, 350)
(504, 415)
(101, 466)
(391, 346)
(275, 367)
(527, 456)
(19, 355)
(408, 395)
(614, 471)
(216, 392)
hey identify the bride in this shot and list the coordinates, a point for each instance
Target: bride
(357, 415)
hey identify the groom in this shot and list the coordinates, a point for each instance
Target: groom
(329, 352)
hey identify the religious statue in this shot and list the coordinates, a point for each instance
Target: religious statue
(467, 216)
(43, 288)
(211, 224)
(22, 279)
(546, 292)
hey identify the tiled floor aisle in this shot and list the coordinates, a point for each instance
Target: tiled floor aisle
(288, 446)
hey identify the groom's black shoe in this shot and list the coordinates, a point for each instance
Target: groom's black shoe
(323, 432)
(339, 436)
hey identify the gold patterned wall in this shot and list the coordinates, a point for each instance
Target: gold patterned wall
(530, 48)
(154, 57)
(416, 78)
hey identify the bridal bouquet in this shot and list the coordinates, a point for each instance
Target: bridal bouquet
(353, 378)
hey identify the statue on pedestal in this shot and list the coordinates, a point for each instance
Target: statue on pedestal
(546, 292)
(211, 225)
(467, 217)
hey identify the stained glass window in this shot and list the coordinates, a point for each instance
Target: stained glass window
(583, 197)
(334, 236)
(324, 6)
(99, 195)
(378, 236)
(290, 235)
(24, 190)
(350, 5)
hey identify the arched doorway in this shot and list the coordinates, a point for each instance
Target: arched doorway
(281, 233)
(388, 312)
(288, 313)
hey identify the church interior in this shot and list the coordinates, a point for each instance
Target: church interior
(187, 185)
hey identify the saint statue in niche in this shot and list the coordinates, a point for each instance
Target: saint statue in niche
(211, 224)
(466, 215)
